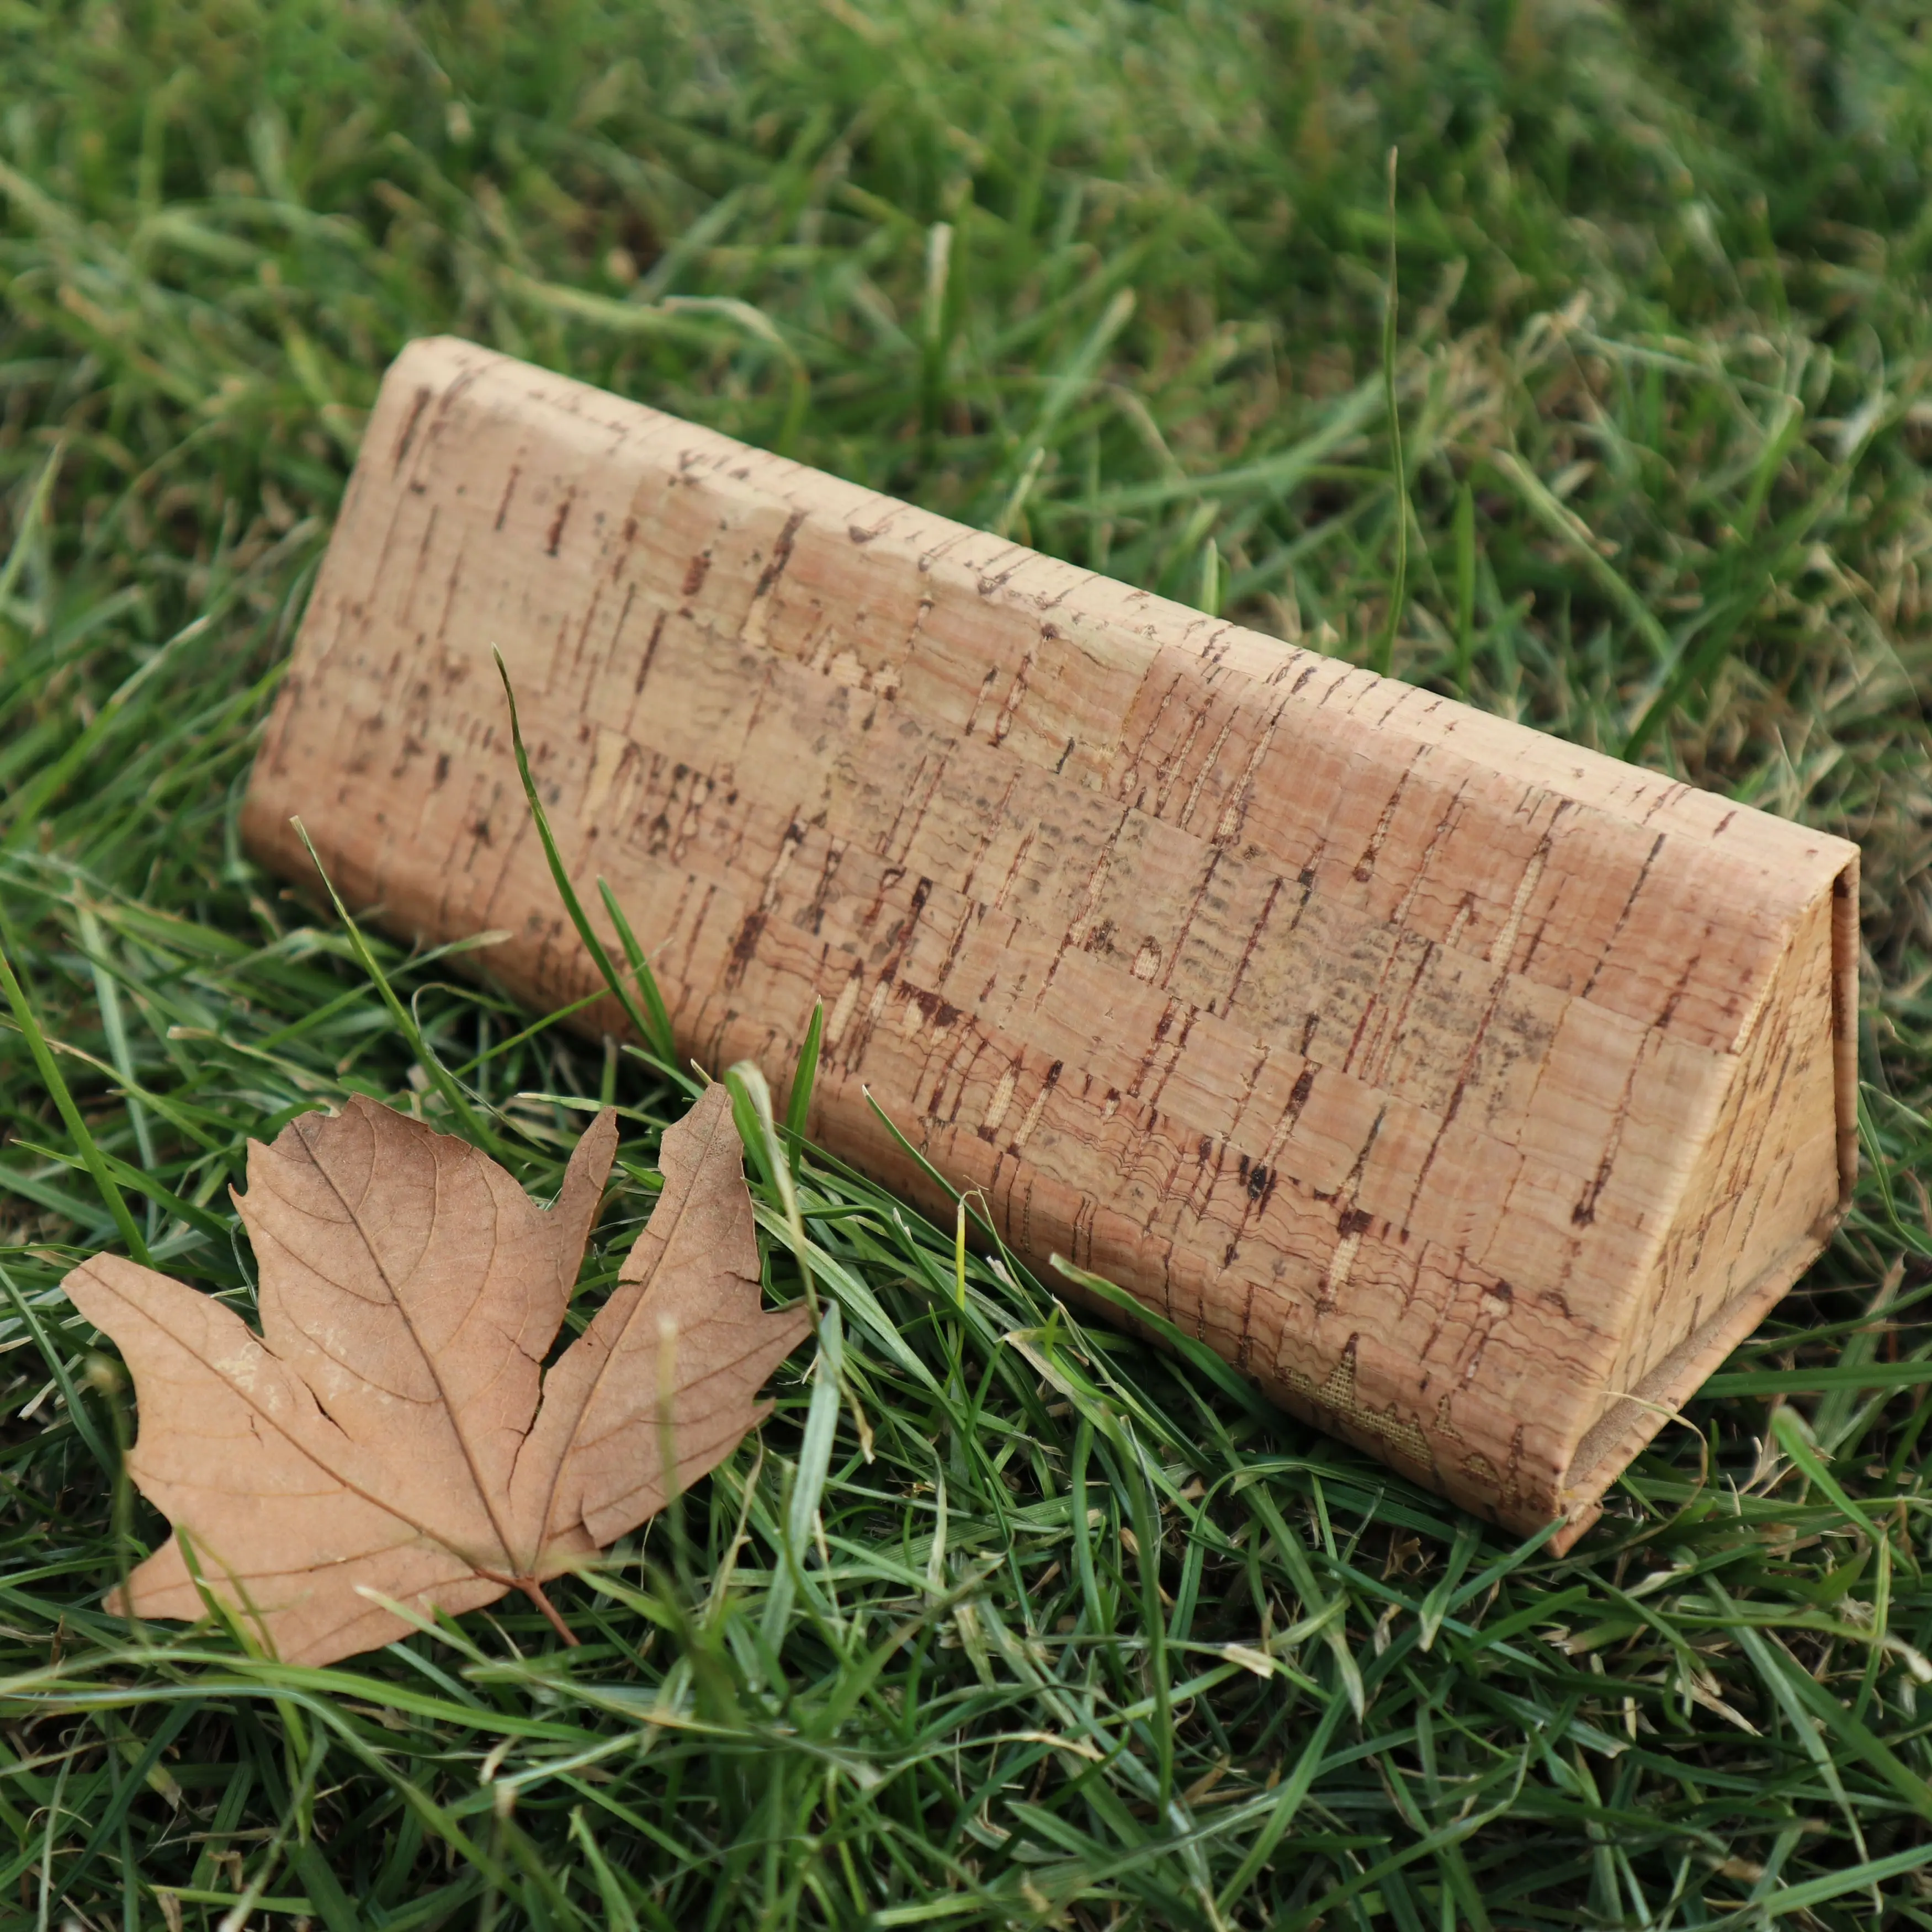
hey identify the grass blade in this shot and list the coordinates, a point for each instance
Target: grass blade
(798, 1105)
(25, 1019)
(1464, 538)
(1398, 591)
(471, 1123)
(654, 1032)
(657, 1035)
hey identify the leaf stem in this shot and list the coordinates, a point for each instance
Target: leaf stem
(533, 1589)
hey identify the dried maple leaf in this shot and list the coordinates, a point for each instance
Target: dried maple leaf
(391, 1428)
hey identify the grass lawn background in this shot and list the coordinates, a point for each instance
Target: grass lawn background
(1005, 1620)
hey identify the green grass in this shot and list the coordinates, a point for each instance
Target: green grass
(1005, 1620)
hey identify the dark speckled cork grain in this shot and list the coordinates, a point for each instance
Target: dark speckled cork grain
(1474, 1093)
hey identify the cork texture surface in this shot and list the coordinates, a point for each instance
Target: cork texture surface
(1471, 1092)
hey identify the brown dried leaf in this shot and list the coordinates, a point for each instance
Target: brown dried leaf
(392, 1428)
